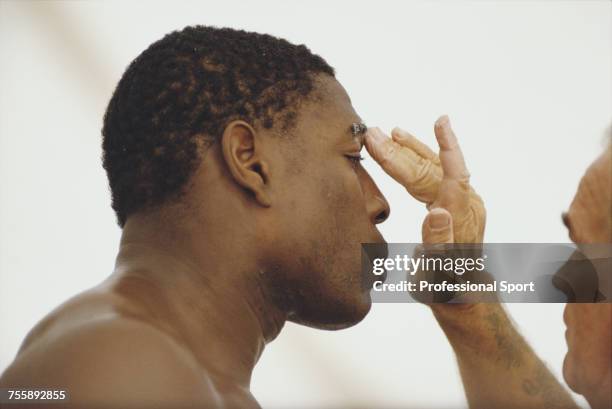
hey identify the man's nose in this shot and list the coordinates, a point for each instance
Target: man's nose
(376, 204)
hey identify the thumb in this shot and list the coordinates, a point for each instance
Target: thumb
(438, 227)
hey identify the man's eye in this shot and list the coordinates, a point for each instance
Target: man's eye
(355, 159)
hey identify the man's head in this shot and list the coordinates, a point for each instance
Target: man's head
(251, 138)
(178, 95)
(587, 366)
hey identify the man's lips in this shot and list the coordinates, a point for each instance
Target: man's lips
(379, 239)
(378, 250)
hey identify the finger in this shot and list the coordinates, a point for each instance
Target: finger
(437, 227)
(408, 140)
(419, 176)
(451, 157)
(379, 146)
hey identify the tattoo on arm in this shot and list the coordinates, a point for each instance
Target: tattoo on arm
(508, 341)
(543, 384)
(514, 354)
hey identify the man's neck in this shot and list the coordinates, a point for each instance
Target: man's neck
(209, 293)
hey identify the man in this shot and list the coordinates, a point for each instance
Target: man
(233, 162)
(498, 368)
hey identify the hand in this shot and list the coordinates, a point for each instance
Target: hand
(440, 181)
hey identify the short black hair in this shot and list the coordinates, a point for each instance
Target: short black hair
(179, 94)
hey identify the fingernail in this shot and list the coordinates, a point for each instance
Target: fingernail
(438, 219)
(443, 122)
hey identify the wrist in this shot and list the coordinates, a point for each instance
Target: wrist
(463, 313)
(469, 325)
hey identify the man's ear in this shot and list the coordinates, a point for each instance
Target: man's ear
(242, 151)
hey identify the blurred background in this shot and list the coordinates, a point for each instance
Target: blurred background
(527, 85)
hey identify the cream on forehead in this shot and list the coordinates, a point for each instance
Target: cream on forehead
(358, 128)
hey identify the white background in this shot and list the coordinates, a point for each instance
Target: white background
(527, 86)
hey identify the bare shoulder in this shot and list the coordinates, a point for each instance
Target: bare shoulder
(113, 361)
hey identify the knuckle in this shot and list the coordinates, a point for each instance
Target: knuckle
(464, 177)
(424, 172)
(387, 154)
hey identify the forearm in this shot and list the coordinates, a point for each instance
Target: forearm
(498, 368)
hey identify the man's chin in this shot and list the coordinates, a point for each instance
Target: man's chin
(333, 319)
(568, 374)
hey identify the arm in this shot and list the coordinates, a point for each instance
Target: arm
(497, 366)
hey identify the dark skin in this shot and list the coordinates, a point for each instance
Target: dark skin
(269, 231)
